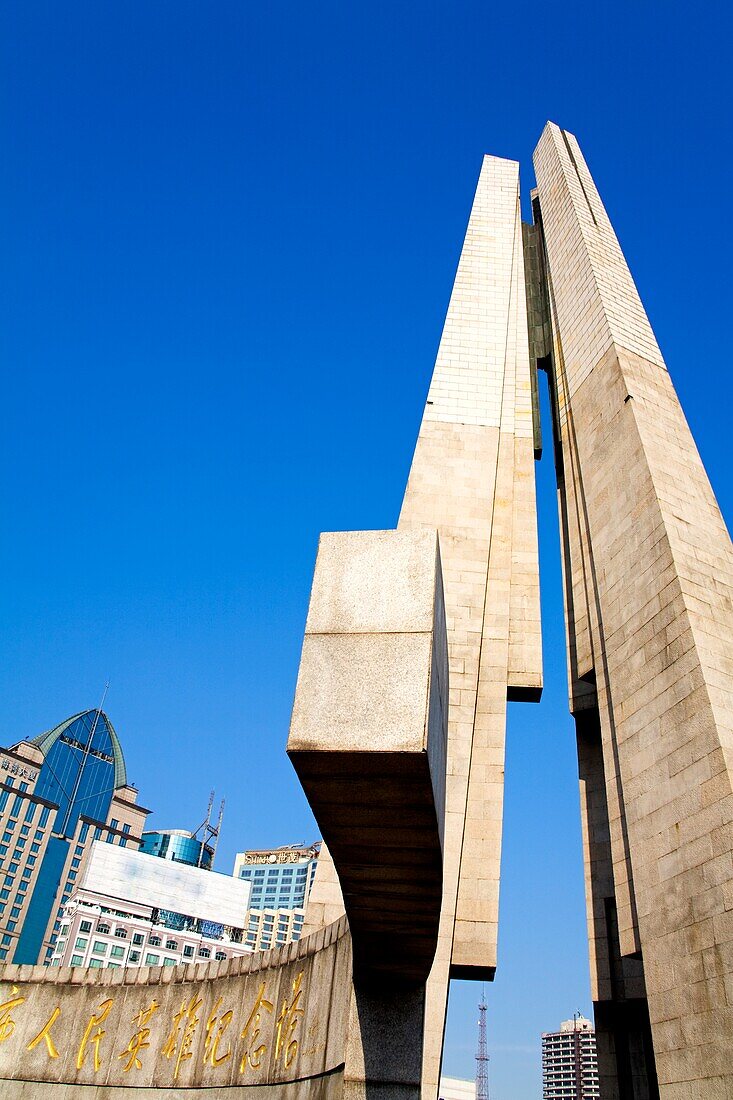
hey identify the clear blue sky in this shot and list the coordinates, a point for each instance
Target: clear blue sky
(230, 232)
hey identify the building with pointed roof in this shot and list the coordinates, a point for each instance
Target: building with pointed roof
(59, 792)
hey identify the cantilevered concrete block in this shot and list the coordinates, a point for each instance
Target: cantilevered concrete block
(368, 738)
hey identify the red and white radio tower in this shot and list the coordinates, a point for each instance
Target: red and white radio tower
(482, 1057)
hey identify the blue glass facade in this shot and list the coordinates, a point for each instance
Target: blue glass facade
(79, 771)
(56, 795)
(178, 846)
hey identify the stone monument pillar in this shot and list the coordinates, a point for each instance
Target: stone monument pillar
(649, 605)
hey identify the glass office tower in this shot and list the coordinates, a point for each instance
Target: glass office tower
(58, 792)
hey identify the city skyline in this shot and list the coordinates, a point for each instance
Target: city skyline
(174, 609)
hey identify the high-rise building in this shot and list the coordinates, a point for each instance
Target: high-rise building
(132, 911)
(569, 1062)
(281, 880)
(281, 877)
(60, 791)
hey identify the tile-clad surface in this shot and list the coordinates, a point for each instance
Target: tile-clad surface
(597, 302)
(649, 575)
(472, 478)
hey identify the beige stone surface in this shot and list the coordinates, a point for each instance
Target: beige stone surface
(472, 478)
(368, 740)
(649, 600)
(222, 1028)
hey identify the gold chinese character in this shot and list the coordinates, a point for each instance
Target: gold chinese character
(186, 1015)
(214, 1031)
(45, 1035)
(7, 1023)
(254, 1051)
(287, 1022)
(139, 1040)
(94, 1037)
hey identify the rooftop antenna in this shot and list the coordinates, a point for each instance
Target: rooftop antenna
(210, 832)
(482, 1057)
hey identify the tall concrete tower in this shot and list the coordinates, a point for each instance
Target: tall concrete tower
(648, 567)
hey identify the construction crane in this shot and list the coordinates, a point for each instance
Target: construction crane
(482, 1057)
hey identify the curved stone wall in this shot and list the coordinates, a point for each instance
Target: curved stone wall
(273, 1022)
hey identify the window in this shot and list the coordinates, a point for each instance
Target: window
(134, 956)
(13, 868)
(99, 947)
(152, 960)
(76, 960)
(5, 940)
(84, 831)
(188, 951)
(43, 819)
(138, 938)
(3, 799)
(103, 929)
(220, 956)
(116, 951)
(16, 805)
(113, 966)
(23, 787)
(155, 941)
(11, 926)
(4, 894)
(96, 962)
(29, 811)
(81, 941)
(85, 926)
(75, 862)
(114, 823)
(110, 838)
(97, 833)
(15, 911)
(204, 952)
(125, 829)
(35, 848)
(121, 933)
(169, 962)
(171, 945)
(31, 861)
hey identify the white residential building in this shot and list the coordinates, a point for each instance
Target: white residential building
(569, 1062)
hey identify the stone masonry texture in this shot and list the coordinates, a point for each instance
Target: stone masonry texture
(472, 478)
(649, 602)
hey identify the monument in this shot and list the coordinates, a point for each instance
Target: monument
(415, 641)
